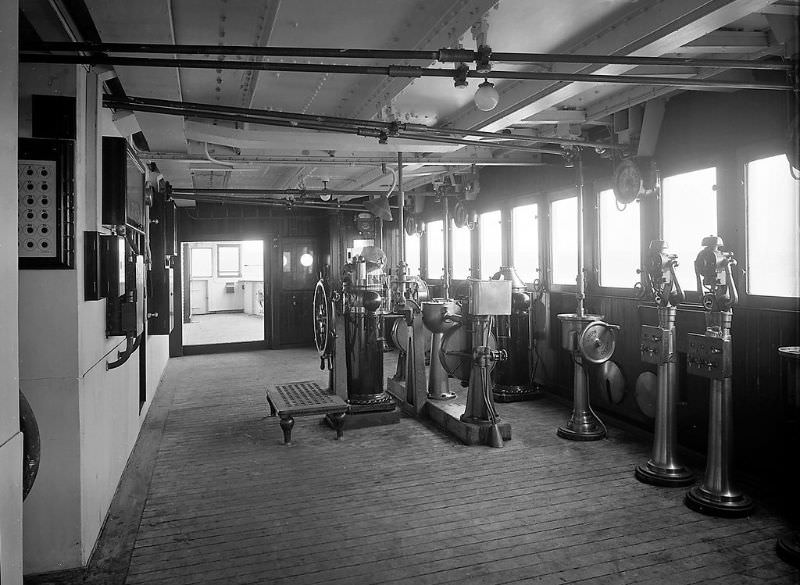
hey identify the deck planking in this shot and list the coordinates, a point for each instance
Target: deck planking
(229, 503)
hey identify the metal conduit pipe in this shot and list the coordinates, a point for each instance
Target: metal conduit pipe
(401, 204)
(442, 55)
(256, 192)
(396, 71)
(369, 132)
(268, 202)
(313, 118)
(581, 282)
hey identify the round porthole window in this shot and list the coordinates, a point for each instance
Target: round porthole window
(306, 259)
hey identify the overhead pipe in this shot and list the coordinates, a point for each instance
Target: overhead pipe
(297, 192)
(404, 71)
(401, 204)
(441, 55)
(368, 132)
(378, 124)
(368, 128)
(325, 161)
(263, 201)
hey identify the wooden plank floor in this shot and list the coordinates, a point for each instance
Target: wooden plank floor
(403, 503)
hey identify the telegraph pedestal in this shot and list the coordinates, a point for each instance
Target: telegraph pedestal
(589, 340)
(658, 347)
(710, 355)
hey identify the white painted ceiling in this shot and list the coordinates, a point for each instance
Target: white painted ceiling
(261, 155)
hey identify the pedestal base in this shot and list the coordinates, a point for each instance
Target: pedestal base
(703, 501)
(381, 403)
(364, 419)
(788, 549)
(653, 474)
(442, 396)
(504, 393)
(585, 427)
(446, 414)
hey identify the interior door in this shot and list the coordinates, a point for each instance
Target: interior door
(199, 297)
(297, 273)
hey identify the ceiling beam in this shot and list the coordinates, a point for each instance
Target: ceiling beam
(263, 33)
(653, 29)
(727, 41)
(445, 31)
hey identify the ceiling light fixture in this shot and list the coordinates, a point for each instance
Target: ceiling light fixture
(324, 195)
(486, 98)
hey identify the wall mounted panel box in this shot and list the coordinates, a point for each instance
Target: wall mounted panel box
(654, 344)
(46, 203)
(122, 283)
(709, 357)
(123, 186)
(160, 301)
(92, 268)
(170, 233)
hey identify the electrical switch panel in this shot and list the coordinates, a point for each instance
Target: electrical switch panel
(654, 345)
(46, 208)
(709, 357)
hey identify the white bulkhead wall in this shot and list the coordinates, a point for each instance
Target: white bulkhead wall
(10, 437)
(88, 416)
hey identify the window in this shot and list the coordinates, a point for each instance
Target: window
(412, 254)
(773, 238)
(253, 260)
(619, 241)
(228, 263)
(689, 214)
(525, 250)
(202, 266)
(460, 251)
(564, 240)
(491, 243)
(434, 232)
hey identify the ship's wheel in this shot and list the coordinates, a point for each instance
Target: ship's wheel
(597, 342)
(323, 321)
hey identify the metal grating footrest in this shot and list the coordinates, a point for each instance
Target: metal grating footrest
(303, 398)
(298, 394)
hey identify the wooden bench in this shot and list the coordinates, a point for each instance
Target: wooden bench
(303, 399)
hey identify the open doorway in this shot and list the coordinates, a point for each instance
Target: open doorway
(223, 292)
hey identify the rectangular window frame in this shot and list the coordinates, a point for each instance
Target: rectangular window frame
(615, 291)
(451, 268)
(426, 254)
(192, 274)
(548, 201)
(747, 300)
(487, 274)
(693, 297)
(229, 273)
(540, 248)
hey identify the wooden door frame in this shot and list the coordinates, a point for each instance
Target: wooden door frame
(181, 285)
(276, 280)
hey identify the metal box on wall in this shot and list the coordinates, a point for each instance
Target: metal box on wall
(160, 301)
(46, 210)
(490, 297)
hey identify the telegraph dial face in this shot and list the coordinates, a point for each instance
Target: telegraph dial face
(597, 342)
(628, 181)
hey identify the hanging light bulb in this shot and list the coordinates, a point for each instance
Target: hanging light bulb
(486, 98)
(324, 195)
